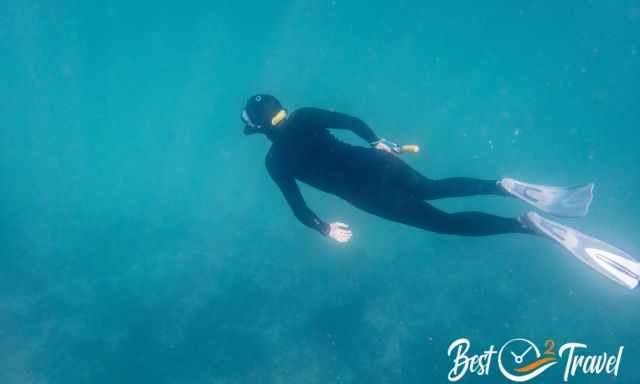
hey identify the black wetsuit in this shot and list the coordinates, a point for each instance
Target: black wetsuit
(370, 179)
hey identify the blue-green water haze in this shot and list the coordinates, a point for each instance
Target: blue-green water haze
(143, 241)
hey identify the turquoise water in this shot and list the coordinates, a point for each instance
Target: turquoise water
(143, 241)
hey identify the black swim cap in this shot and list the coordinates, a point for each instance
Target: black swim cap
(259, 111)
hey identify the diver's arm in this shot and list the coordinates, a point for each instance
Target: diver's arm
(339, 120)
(294, 198)
(338, 231)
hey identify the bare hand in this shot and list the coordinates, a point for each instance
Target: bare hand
(387, 146)
(339, 232)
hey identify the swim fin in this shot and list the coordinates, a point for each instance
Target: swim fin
(558, 201)
(604, 258)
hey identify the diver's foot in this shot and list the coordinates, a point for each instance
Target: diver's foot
(606, 259)
(558, 201)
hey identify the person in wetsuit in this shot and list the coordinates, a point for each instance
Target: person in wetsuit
(370, 178)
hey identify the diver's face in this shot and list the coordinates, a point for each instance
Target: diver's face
(249, 126)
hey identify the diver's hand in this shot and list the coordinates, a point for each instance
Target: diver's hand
(339, 232)
(386, 145)
(383, 147)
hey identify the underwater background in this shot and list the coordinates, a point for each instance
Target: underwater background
(143, 241)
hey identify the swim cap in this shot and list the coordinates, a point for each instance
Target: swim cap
(259, 112)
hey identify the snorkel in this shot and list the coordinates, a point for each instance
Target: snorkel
(260, 112)
(277, 119)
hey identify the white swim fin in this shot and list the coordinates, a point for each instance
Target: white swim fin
(558, 201)
(604, 258)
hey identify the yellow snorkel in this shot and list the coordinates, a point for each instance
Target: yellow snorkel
(277, 119)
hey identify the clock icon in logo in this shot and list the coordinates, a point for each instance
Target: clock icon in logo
(520, 360)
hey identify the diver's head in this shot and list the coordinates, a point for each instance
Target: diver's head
(261, 113)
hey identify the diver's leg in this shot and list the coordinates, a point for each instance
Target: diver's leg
(457, 187)
(402, 176)
(390, 172)
(427, 189)
(417, 213)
